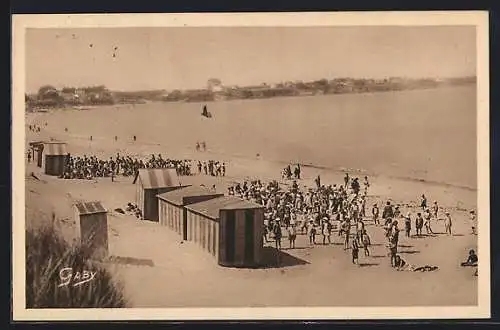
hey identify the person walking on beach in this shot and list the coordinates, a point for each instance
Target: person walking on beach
(447, 223)
(423, 202)
(375, 214)
(419, 223)
(223, 169)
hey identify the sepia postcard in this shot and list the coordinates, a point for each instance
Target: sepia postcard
(251, 166)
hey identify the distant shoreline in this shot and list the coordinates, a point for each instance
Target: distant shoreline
(343, 87)
(92, 106)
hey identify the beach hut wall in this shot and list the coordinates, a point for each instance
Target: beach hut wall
(229, 228)
(92, 227)
(55, 158)
(150, 183)
(173, 213)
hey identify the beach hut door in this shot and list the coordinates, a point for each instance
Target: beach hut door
(230, 236)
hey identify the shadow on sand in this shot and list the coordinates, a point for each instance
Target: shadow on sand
(272, 258)
(378, 256)
(368, 264)
(130, 261)
(410, 252)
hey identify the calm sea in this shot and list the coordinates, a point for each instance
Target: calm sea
(423, 134)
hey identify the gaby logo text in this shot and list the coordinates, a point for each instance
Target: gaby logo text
(70, 277)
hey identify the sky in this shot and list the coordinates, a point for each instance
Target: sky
(186, 57)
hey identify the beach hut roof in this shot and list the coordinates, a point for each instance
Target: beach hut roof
(55, 148)
(90, 208)
(177, 196)
(158, 178)
(212, 207)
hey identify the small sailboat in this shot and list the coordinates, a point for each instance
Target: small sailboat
(205, 112)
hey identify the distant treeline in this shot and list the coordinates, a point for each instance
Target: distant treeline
(48, 96)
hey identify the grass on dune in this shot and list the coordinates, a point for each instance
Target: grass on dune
(47, 253)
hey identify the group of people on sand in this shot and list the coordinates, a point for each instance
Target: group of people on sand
(212, 168)
(201, 146)
(325, 209)
(288, 175)
(34, 128)
(89, 167)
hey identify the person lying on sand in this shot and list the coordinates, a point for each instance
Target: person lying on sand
(402, 265)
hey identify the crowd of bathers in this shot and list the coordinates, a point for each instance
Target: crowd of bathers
(340, 208)
(90, 167)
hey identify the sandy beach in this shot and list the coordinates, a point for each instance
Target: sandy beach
(161, 271)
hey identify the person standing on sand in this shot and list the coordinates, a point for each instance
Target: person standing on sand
(472, 216)
(223, 169)
(347, 233)
(427, 221)
(388, 212)
(408, 224)
(435, 209)
(393, 243)
(419, 223)
(423, 202)
(277, 234)
(447, 223)
(326, 231)
(375, 214)
(355, 251)
(346, 180)
(367, 185)
(311, 232)
(365, 242)
(292, 235)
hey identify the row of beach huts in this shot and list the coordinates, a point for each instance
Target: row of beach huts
(226, 227)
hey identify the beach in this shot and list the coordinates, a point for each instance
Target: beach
(405, 142)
